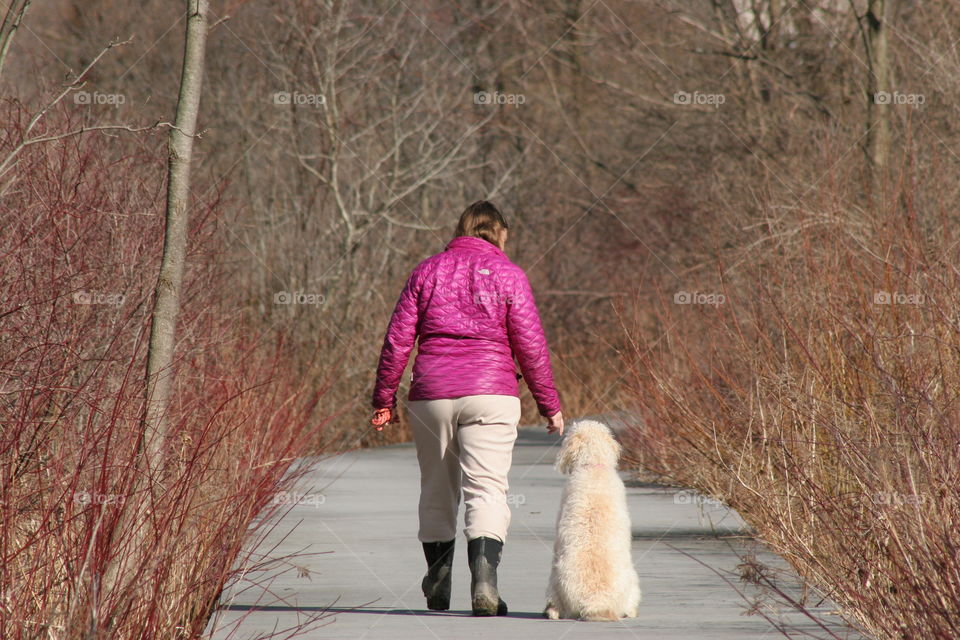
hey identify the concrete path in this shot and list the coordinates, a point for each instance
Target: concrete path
(355, 522)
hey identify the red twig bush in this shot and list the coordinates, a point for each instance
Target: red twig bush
(80, 245)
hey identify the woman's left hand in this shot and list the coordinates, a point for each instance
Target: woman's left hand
(383, 416)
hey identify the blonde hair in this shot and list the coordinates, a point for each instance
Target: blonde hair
(482, 220)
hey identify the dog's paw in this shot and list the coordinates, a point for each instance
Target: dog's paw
(551, 612)
(605, 615)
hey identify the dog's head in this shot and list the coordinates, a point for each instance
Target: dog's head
(587, 442)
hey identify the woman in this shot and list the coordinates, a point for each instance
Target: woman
(473, 311)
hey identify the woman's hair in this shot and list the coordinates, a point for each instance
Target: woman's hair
(482, 220)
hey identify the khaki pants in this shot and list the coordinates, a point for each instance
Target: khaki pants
(464, 443)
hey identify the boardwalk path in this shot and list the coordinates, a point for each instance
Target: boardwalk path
(361, 506)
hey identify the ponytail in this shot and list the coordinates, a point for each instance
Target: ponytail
(482, 220)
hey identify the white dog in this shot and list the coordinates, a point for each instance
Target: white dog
(593, 577)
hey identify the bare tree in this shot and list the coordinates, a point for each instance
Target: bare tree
(167, 305)
(363, 133)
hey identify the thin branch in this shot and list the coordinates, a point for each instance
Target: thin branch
(8, 162)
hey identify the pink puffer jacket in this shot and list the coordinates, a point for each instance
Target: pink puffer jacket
(473, 310)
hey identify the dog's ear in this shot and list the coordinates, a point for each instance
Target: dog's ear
(612, 450)
(571, 452)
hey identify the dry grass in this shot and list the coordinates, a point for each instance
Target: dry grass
(821, 399)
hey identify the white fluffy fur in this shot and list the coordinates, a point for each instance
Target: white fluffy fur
(593, 577)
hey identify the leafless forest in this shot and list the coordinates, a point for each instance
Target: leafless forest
(738, 218)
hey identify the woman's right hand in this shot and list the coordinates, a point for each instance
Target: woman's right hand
(555, 423)
(383, 416)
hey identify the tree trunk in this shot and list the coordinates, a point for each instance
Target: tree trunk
(167, 305)
(11, 22)
(878, 86)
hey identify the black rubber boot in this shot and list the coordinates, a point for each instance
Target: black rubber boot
(436, 584)
(483, 553)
